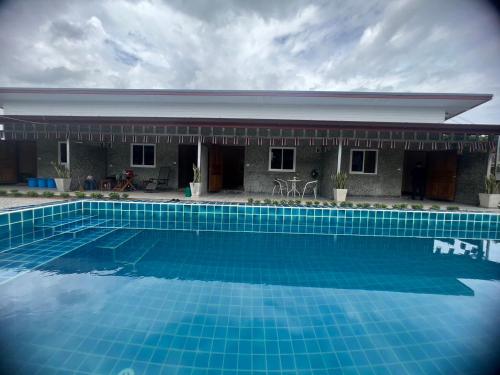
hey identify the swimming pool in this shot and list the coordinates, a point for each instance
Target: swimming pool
(108, 288)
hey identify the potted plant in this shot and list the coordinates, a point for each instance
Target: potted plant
(196, 184)
(63, 180)
(340, 186)
(491, 197)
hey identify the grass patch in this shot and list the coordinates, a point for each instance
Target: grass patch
(48, 194)
(452, 208)
(400, 206)
(114, 196)
(80, 194)
(363, 205)
(346, 204)
(64, 195)
(32, 194)
(417, 206)
(96, 195)
(435, 207)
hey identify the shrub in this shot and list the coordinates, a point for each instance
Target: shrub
(3, 192)
(256, 201)
(250, 200)
(400, 206)
(275, 202)
(48, 194)
(267, 201)
(32, 193)
(124, 195)
(114, 196)
(317, 203)
(309, 203)
(96, 195)
(417, 206)
(283, 202)
(333, 203)
(298, 202)
(291, 202)
(435, 207)
(380, 205)
(346, 204)
(15, 193)
(363, 205)
(340, 180)
(80, 194)
(452, 208)
(64, 195)
(326, 203)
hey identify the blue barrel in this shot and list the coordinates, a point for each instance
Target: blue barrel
(32, 182)
(42, 182)
(51, 183)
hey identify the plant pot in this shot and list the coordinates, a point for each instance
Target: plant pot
(339, 195)
(63, 184)
(489, 200)
(195, 188)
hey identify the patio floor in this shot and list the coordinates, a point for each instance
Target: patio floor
(224, 196)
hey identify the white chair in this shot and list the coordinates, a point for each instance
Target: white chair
(281, 186)
(313, 185)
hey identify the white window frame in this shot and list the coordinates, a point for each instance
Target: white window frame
(59, 153)
(132, 155)
(281, 169)
(364, 150)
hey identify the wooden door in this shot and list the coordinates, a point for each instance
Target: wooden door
(441, 175)
(8, 162)
(215, 168)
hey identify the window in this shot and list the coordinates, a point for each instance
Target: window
(364, 161)
(142, 155)
(63, 153)
(282, 159)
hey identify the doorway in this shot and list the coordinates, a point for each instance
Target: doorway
(188, 155)
(18, 161)
(226, 165)
(441, 173)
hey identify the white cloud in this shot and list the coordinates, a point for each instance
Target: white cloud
(410, 45)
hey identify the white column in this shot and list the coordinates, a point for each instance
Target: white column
(339, 156)
(198, 164)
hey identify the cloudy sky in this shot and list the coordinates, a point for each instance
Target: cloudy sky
(399, 45)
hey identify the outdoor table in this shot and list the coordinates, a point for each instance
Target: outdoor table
(293, 188)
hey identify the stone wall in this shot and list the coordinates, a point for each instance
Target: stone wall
(166, 156)
(471, 172)
(46, 153)
(86, 159)
(258, 179)
(388, 180)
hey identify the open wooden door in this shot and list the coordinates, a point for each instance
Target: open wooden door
(441, 175)
(8, 162)
(214, 169)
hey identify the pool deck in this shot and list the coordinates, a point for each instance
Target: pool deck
(7, 202)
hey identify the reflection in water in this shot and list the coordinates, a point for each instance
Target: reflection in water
(256, 303)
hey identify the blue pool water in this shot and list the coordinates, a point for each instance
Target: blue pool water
(145, 301)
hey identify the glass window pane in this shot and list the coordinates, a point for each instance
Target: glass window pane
(357, 161)
(288, 159)
(149, 155)
(276, 158)
(370, 161)
(137, 154)
(63, 153)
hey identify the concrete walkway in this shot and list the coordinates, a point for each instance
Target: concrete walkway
(227, 196)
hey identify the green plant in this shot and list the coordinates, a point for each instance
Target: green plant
(114, 196)
(15, 193)
(250, 200)
(435, 207)
(333, 203)
(316, 203)
(400, 206)
(283, 202)
(61, 170)
(96, 195)
(291, 202)
(32, 193)
(64, 195)
(124, 195)
(452, 208)
(340, 180)
(326, 203)
(298, 202)
(3, 192)
(346, 204)
(48, 194)
(196, 174)
(79, 194)
(267, 201)
(363, 205)
(256, 201)
(309, 203)
(380, 205)
(417, 206)
(491, 185)
(275, 202)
